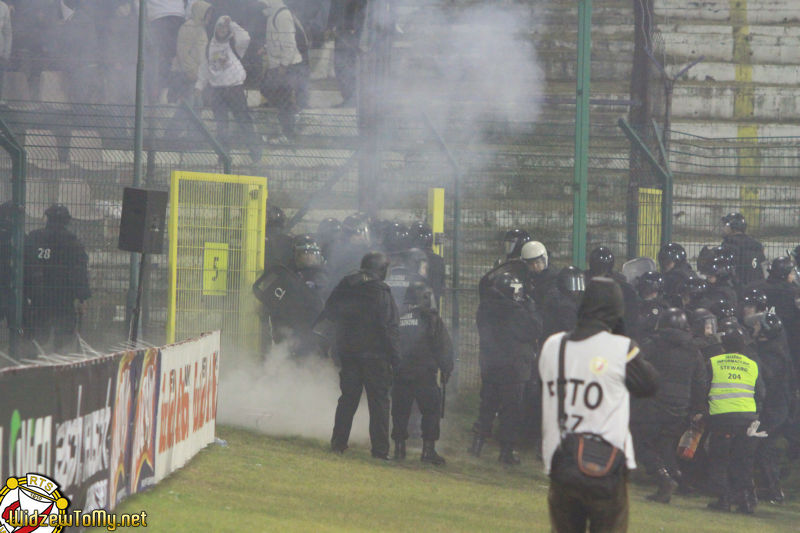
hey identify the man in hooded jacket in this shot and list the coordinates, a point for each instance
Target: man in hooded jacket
(366, 323)
(601, 370)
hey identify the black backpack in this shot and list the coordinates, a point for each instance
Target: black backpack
(300, 36)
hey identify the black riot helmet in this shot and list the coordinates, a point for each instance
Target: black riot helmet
(769, 325)
(571, 281)
(396, 238)
(649, 283)
(601, 261)
(694, 287)
(421, 235)
(722, 309)
(418, 294)
(276, 218)
(671, 252)
(735, 221)
(307, 252)
(703, 322)
(673, 318)
(755, 298)
(732, 336)
(376, 263)
(57, 215)
(513, 241)
(328, 230)
(781, 268)
(509, 286)
(719, 266)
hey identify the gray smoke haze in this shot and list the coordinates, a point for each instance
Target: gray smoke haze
(473, 66)
(285, 397)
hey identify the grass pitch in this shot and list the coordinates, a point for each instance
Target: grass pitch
(259, 483)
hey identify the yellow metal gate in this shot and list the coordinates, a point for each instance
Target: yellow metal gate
(216, 251)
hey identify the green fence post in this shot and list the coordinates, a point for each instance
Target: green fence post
(666, 195)
(582, 133)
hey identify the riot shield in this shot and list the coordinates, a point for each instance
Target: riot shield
(637, 266)
(285, 296)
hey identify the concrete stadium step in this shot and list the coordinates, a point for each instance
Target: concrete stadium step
(769, 44)
(716, 101)
(758, 11)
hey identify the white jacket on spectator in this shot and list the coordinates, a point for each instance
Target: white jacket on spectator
(157, 9)
(5, 31)
(221, 67)
(280, 45)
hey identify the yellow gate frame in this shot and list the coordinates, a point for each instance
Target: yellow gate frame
(244, 210)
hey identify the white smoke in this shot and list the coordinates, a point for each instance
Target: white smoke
(285, 396)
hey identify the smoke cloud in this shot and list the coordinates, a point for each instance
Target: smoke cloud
(285, 396)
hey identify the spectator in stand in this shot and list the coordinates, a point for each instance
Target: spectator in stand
(191, 48)
(120, 54)
(166, 18)
(35, 21)
(345, 22)
(5, 41)
(285, 82)
(79, 52)
(224, 74)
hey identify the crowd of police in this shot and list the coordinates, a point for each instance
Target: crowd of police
(723, 340)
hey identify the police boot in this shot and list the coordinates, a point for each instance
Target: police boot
(508, 456)
(399, 450)
(722, 504)
(477, 445)
(666, 486)
(429, 454)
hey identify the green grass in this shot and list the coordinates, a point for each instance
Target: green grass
(260, 483)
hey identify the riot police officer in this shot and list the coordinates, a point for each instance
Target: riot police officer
(748, 253)
(753, 301)
(345, 253)
(703, 326)
(425, 349)
(56, 280)
(783, 296)
(649, 286)
(366, 321)
(715, 263)
(693, 293)
(676, 271)
(509, 328)
(422, 238)
(779, 380)
(278, 246)
(601, 264)
(660, 421)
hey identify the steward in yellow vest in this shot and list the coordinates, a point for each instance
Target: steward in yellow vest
(734, 394)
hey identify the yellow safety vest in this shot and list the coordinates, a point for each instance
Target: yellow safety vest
(733, 385)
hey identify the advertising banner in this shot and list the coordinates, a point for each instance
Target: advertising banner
(187, 405)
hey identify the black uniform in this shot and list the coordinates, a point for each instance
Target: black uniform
(399, 278)
(367, 344)
(516, 267)
(436, 274)
(648, 313)
(630, 298)
(509, 334)
(784, 298)
(278, 249)
(659, 422)
(778, 373)
(674, 280)
(55, 276)
(748, 256)
(425, 349)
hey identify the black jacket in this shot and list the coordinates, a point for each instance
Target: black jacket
(778, 372)
(673, 281)
(559, 312)
(748, 256)
(55, 268)
(722, 290)
(509, 334)
(649, 313)
(436, 274)
(365, 318)
(708, 346)
(784, 297)
(683, 378)
(425, 345)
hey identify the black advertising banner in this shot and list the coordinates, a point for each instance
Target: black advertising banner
(55, 421)
(133, 432)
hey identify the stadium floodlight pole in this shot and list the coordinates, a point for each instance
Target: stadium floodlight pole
(581, 167)
(133, 285)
